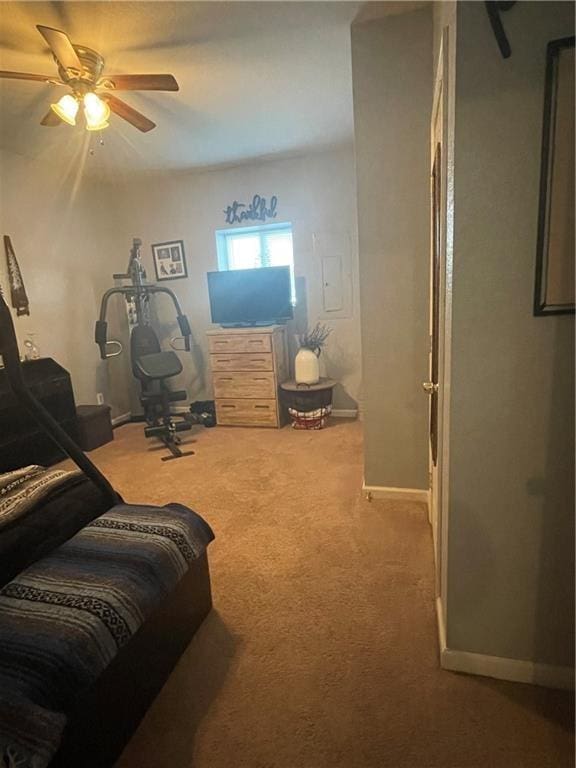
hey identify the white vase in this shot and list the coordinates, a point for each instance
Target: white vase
(306, 368)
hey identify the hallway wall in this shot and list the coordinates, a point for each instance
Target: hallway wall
(511, 531)
(392, 85)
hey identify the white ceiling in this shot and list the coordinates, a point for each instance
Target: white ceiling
(256, 79)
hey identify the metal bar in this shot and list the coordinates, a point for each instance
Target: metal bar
(110, 292)
(182, 319)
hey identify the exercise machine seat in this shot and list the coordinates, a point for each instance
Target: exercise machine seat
(159, 365)
(149, 362)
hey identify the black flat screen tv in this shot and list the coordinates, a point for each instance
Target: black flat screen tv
(250, 296)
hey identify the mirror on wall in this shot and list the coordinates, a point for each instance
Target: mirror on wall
(554, 292)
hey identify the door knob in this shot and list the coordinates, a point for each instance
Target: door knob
(429, 387)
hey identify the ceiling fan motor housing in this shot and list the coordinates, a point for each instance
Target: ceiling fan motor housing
(92, 67)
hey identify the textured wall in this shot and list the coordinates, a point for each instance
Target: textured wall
(71, 234)
(61, 230)
(316, 193)
(392, 85)
(511, 537)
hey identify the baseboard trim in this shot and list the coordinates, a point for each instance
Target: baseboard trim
(394, 494)
(514, 670)
(123, 418)
(345, 413)
(338, 413)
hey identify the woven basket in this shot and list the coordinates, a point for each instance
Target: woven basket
(310, 419)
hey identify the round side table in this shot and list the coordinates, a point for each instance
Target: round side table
(309, 405)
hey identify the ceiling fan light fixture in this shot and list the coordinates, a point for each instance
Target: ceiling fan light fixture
(97, 126)
(81, 70)
(96, 112)
(66, 109)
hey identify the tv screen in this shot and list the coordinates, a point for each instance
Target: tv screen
(250, 296)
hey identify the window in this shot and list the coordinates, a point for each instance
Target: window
(253, 247)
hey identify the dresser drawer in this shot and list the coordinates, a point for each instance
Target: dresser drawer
(247, 413)
(249, 342)
(247, 361)
(244, 384)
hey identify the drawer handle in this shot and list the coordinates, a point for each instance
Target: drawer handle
(225, 378)
(265, 407)
(227, 406)
(257, 360)
(259, 378)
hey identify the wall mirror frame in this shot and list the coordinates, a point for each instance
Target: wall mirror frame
(554, 286)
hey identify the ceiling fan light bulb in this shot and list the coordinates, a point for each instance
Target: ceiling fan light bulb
(66, 109)
(96, 112)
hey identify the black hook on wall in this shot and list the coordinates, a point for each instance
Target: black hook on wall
(494, 8)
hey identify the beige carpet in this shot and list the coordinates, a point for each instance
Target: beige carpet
(321, 651)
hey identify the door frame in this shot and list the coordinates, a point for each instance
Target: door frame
(443, 96)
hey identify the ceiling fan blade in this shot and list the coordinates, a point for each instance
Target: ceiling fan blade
(51, 119)
(24, 76)
(142, 82)
(61, 47)
(129, 114)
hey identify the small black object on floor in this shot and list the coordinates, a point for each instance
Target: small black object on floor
(203, 412)
(94, 426)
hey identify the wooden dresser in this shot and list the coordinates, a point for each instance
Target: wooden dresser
(248, 365)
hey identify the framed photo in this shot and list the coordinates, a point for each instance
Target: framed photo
(554, 286)
(169, 260)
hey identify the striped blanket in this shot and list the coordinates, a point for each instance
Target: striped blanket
(22, 489)
(64, 618)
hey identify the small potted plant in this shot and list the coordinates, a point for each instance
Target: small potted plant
(306, 368)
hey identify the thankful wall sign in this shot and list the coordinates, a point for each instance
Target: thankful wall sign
(257, 210)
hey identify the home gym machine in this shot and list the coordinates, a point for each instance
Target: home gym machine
(150, 364)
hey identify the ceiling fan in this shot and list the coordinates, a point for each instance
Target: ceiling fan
(80, 69)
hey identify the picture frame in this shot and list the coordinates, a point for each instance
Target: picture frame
(169, 260)
(554, 292)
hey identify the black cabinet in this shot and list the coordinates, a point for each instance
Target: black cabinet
(22, 440)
